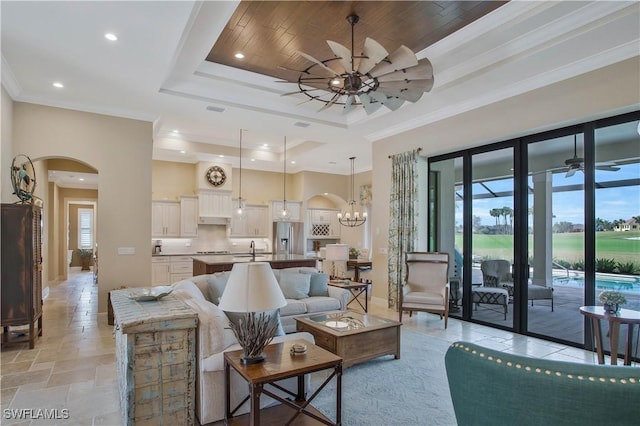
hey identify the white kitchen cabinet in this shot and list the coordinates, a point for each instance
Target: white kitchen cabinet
(165, 219)
(166, 270)
(189, 216)
(160, 270)
(253, 222)
(214, 204)
(294, 210)
(323, 223)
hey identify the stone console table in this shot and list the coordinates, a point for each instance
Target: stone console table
(155, 359)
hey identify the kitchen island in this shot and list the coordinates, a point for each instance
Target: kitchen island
(208, 264)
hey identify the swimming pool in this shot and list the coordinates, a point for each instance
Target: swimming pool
(608, 282)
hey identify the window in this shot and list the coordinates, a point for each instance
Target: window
(85, 228)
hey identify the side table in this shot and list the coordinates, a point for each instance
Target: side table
(280, 364)
(623, 316)
(356, 290)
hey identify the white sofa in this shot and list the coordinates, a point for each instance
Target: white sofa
(215, 337)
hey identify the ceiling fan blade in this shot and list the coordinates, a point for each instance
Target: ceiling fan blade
(342, 53)
(421, 85)
(571, 172)
(390, 102)
(402, 58)
(317, 62)
(370, 105)
(607, 167)
(349, 104)
(406, 94)
(330, 103)
(374, 53)
(422, 71)
(299, 91)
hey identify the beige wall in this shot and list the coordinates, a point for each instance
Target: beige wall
(597, 94)
(121, 150)
(6, 148)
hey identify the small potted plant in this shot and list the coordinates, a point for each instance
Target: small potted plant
(85, 257)
(353, 253)
(612, 300)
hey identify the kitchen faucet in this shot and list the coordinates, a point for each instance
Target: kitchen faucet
(252, 246)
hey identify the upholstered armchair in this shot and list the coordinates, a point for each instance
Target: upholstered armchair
(489, 387)
(426, 287)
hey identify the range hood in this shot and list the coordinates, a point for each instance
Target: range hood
(212, 220)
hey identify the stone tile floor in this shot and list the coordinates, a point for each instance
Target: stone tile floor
(71, 371)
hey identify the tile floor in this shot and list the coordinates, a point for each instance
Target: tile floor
(72, 366)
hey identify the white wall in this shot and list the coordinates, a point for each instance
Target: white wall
(6, 148)
(121, 150)
(601, 93)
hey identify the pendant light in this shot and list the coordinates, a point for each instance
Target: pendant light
(284, 213)
(240, 199)
(352, 217)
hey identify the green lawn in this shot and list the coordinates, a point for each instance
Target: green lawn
(621, 246)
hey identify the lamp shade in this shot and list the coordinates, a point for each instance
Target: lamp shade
(337, 252)
(251, 287)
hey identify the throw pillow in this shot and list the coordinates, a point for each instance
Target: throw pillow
(491, 281)
(234, 317)
(294, 285)
(186, 289)
(318, 283)
(215, 286)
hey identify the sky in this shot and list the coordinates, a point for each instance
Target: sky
(568, 206)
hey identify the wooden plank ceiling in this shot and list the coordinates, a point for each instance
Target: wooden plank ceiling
(269, 33)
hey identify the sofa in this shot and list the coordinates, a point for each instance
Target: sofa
(490, 387)
(215, 336)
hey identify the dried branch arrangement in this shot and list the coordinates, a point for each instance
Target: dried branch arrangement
(254, 332)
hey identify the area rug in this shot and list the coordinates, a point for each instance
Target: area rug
(410, 391)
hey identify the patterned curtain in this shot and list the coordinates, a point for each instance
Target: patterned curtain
(403, 209)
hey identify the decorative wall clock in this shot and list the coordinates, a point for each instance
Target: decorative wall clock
(216, 175)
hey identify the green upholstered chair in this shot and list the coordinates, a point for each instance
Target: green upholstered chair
(490, 387)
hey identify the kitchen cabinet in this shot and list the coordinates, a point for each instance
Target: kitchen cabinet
(189, 216)
(21, 273)
(166, 270)
(294, 208)
(214, 204)
(323, 223)
(253, 222)
(160, 270)
(165, 219)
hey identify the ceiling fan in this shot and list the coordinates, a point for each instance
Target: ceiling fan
(577, 163)
(372, 79)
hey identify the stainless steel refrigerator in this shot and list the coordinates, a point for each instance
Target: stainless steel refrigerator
(288, 238)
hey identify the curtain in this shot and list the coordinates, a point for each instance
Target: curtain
(403, 209)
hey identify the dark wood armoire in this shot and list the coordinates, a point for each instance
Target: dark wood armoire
(21, 284)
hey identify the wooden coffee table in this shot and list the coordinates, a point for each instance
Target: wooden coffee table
(279, 364)
(353, 336)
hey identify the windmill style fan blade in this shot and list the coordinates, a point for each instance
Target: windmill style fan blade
(422, 85)
(370, 105)
(349, 104)
(407, 95)
(422, 71)
(402, 58)
(392, 102)
(330, 103)
(374, 53)
(317, 62)
(299, 91)
(342, 53)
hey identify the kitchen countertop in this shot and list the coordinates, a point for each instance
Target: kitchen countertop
(212, 259)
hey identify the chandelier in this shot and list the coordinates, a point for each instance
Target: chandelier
(372, 79)
(352, 217)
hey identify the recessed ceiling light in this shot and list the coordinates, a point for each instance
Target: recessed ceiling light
(175, 131)
(111, 36)
(239, 55)
(58, 85)
(81, 179)
(182, 151)
(293, 162)
(253, 159)
(266, 145)
(221, 156)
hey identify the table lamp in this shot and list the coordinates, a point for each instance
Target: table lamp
(252, 289)
(336, 253)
